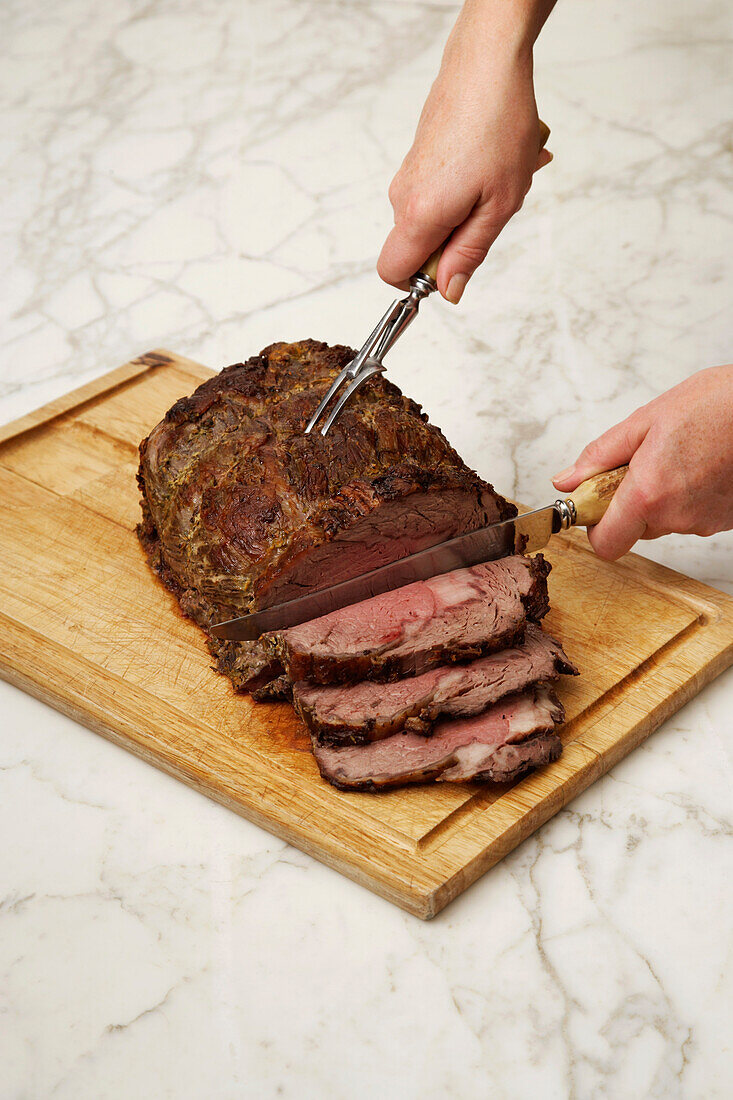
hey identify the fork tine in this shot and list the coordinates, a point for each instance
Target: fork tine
(353, 369)
(335, 386)
(368, 371)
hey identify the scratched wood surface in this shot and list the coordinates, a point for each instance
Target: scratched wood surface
(87, 629)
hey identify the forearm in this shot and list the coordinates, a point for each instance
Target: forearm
(476, 147)
(484, 25)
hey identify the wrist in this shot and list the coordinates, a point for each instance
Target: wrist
(507, 28)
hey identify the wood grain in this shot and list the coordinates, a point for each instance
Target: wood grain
(87, 629)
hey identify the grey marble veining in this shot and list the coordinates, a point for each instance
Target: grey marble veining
(212, 177)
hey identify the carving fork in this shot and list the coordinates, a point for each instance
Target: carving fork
(368, 361)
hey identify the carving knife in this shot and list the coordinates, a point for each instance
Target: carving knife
(519, 535)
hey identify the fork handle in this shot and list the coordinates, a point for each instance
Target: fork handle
(430, 267)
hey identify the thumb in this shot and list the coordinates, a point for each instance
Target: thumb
(614, 448)
(468, 245)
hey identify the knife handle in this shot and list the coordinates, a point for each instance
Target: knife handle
(591, 499)
(430, 267)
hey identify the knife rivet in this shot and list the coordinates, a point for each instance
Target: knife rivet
(567, 513)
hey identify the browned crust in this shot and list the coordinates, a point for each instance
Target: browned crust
(279, 688)
(537, 601)
(235, 495)
(247, 664)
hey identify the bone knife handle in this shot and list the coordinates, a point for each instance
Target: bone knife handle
(430, 267)
(592, 497)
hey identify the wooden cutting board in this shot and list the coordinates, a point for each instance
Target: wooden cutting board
(87, 629)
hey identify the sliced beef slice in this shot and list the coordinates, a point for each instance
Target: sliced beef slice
(369, 711)
(503, 743)
(454, 617)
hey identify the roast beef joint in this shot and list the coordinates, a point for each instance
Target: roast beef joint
(443, 680)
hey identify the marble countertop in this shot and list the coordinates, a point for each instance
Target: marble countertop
(212, 177)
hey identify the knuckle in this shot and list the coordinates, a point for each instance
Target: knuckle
(506, 201)
(627, 432)
(418, 210)
(591, 453)
(473, 254)
(502, 210)
(395, 191)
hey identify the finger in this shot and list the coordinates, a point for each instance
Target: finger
(468, 245)
(614, 448)
(407, 246)
(623, 524)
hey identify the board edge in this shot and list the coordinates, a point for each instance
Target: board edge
(105, 383)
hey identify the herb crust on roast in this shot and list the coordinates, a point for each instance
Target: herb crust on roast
(242, 510)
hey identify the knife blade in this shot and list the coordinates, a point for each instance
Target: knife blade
(521, 534)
